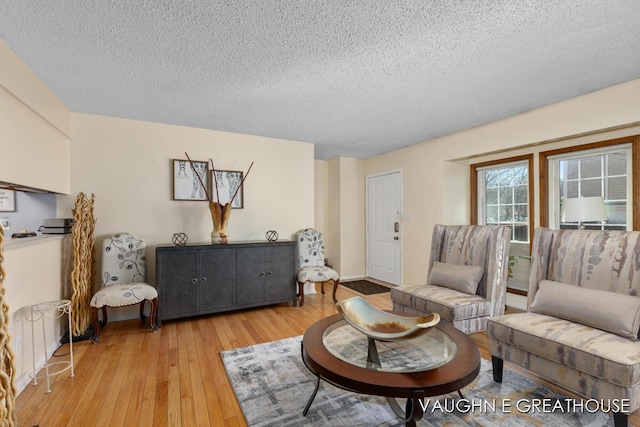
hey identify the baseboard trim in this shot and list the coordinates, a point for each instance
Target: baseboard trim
(354, 277)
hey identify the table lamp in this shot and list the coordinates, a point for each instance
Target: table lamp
(583, 209)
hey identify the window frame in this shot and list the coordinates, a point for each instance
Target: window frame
(545, 179)
(476, 167)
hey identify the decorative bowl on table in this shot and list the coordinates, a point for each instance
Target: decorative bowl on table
(382, 325)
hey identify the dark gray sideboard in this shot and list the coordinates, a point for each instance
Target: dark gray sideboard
(203, 279)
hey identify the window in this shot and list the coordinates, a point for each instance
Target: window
(503, 196)
(597, 174)
(601, 169)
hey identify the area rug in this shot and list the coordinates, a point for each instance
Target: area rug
(272, 386)
(365, 287)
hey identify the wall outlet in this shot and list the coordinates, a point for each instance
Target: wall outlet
(18, 348)
(5, 223)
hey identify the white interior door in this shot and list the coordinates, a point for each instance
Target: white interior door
(384, 248)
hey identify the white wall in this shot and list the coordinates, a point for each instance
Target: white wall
(127, 165)
(352, 218)
(340, 201)
(332, 233)
(320, 192)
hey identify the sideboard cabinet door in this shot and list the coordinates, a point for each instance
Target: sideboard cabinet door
(266, 274)
(177, 277)
(217, 279)
(251, 284)
(280, 269)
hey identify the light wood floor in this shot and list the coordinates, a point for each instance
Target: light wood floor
(173, 377)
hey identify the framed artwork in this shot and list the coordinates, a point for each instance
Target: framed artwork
(229, 183)
(7, 200)
(186, 185)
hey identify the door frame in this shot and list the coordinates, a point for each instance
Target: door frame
(366, 225)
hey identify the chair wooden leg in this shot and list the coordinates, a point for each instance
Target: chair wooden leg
(301, 292)
(104, 316)
(96, 325)
(335, 288)
(142, 303)
(153, 314)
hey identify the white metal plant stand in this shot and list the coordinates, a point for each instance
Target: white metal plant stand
(40, 312)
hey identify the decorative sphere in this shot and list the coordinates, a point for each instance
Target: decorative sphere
(272, 235)
(180, 239)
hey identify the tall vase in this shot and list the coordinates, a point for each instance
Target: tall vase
(220, 216)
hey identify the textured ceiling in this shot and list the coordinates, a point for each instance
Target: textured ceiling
(356, 78)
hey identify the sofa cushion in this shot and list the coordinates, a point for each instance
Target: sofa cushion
(609, 311)
(463, 278)
(450, 304)
(600, 354)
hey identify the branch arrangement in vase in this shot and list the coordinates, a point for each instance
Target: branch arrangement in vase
(219, 213)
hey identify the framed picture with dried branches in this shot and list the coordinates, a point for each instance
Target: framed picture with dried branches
(227, 187)
(186, 184)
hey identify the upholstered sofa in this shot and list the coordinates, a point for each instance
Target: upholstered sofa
(467, 279)
(580, 330)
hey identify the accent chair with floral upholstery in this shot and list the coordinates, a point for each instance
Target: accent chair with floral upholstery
(581, 326)
(467, 279)
(123, 276)
(311, 268)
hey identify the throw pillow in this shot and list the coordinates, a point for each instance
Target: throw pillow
(463, 278)
(610, 311)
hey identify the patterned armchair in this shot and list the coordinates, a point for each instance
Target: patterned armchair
(467, 280)
(311, 266)
(581, 326)
(123, 275)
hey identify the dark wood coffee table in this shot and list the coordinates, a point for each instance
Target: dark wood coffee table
(433, 363)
